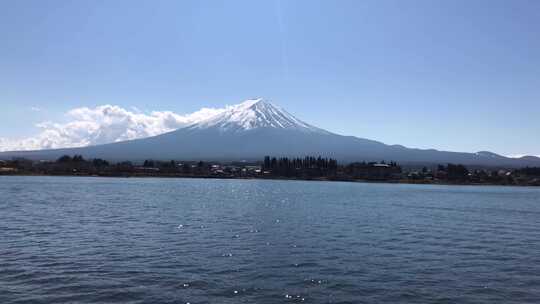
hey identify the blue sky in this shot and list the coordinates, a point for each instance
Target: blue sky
(452, 75)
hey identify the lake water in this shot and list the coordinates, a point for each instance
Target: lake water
(86, 240)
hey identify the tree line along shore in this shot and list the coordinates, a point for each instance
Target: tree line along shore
(306, 168)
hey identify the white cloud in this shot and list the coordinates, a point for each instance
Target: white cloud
(103, 124)
(521, 155)
(35, 109)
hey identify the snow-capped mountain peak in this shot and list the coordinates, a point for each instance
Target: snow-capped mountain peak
(252, 114)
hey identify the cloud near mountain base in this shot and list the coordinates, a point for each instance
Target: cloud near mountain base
(103, 124)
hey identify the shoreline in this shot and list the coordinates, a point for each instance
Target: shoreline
(364, 181)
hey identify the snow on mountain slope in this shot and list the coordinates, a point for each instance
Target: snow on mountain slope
(253, 114)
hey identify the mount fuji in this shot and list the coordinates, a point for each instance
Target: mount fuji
(255, 128)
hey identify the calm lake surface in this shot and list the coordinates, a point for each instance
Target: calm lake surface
(87, 240)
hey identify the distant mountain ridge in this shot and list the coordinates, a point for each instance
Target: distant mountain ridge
(255, 128)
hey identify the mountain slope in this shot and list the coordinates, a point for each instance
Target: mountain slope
(253, 114)
(256, 128)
